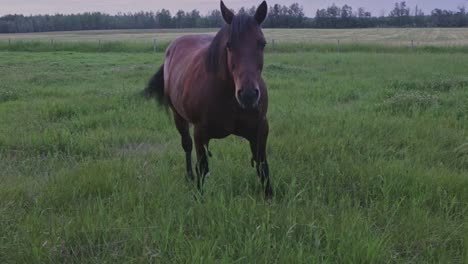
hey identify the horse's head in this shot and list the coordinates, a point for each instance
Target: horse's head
(245, 46)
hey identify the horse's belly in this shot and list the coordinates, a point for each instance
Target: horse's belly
(218, 134)
(219, 129)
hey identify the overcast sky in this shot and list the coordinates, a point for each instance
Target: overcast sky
(113, 6)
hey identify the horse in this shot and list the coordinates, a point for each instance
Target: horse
(215, 84)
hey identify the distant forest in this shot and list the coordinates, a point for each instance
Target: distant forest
(279, 16)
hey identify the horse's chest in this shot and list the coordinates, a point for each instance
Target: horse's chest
(220, 128)
(222, 117)
(231, 124)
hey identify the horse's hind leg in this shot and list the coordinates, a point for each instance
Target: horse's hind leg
(183, 128)
(202, 159)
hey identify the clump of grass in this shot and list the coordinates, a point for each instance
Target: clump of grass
(407, 101)
(460, 157)
(347, 96)
(57, 112)
(435, 85)
(462, 150)
(8, 93)
(283, 68)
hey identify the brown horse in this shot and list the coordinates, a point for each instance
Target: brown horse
(215, 83)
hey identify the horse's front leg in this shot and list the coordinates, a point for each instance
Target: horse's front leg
(202, 160)
(254, 161)
(261, 157)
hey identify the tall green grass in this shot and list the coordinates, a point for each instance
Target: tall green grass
(367, 151)
(283, 47)
(86, 46)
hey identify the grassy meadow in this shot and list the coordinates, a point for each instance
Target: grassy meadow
(368, 155)
(378, 40)
(375, 36)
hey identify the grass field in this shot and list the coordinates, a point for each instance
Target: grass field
(375, 36)
(368, 156)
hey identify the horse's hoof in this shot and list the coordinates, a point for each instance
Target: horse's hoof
(190, 176)
(268, 193)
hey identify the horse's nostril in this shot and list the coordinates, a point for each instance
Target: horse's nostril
(239, 93)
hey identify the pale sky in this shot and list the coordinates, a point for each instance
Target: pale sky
(377, 7)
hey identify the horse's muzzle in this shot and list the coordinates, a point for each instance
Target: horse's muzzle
(248, 97)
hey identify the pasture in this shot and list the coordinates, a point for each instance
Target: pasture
(375, 36)
(368, 155)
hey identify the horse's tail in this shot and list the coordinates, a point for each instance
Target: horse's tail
(155, 87)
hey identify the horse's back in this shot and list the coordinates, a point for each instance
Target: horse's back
(187, 47)
(183, 65)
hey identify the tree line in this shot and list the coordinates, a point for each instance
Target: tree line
(280, 16)
(400, 16)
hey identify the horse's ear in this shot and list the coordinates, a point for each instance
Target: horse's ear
(261, 12)
(228, 15)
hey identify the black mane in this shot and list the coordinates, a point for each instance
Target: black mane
(214, 57)
(216, 52)
(240, 24)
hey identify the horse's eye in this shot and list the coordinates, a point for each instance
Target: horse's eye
(228, 45)
(261, 44)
